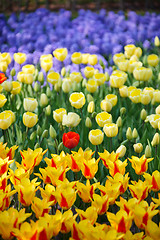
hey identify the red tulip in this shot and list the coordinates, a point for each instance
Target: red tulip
(2, 77)
(70, 139)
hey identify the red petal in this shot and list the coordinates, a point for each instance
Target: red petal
(87, 172)
(43, 235)
(75, 233)
(145, 218)
(154, 184)
(74, 164)
(63, 201)
(121, 226)
(143, 166)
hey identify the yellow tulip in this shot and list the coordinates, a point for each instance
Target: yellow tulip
(47, 57)
(118, 78)
(53, 78)
(85, 57)
(123, 65)
(29, 68)
(11, 219)
(46, 64)
(145, 98)
(5, 120)
(100, 203)
(58, 114)
(30, 104)
(138, 147)
(28, 78)
(132, 64)
(76, 58)
(65, 194)
(60, 54)
(138, 52)
(110, 129)
(71, 119)
(92, 59)
(40, 206)
(89, 72)
(103, 118)
(142, 73)
(118, 57)
(30, 119)
(96, 136)
(19, 57)
(140, 165)
(86, 192)
(76, 77)
(100, 78)
(16, 88)
(121, 221)
(112, 98)
(90, 214)
(91, 86)
(129, 50)
(153, 60)
(3, 66)
(77, 99)
(135, 95)
(31, 158)
(3, 100)
(106, 105)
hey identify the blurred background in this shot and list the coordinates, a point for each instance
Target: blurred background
(31, 5)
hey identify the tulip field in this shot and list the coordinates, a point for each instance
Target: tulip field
(80, 126)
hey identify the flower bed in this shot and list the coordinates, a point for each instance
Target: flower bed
(79, 155)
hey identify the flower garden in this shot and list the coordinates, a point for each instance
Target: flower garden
(79, 126)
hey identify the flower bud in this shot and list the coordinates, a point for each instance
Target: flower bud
(91, 107)
(94, 114)
(33, 136)
(122, 110)
(45, 134)
(143, 114)
(156, 41)
(52, 132)
(48, 92)
(148, 151)
(158, 109)
(66, 86)
(107, 76)
(39, 130)
(129, 134)
(43, 100)
(60, 147)
(88, 122)
(84, 82)
(155, 140)
(63, 71)
(138, 147)
(119, 122)
(121, 150)
(37, 87)
(48, 110)
(89, 98)
(36, 146)
(13, 72)
(134, 133)
(41, 77)
(101, 63)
